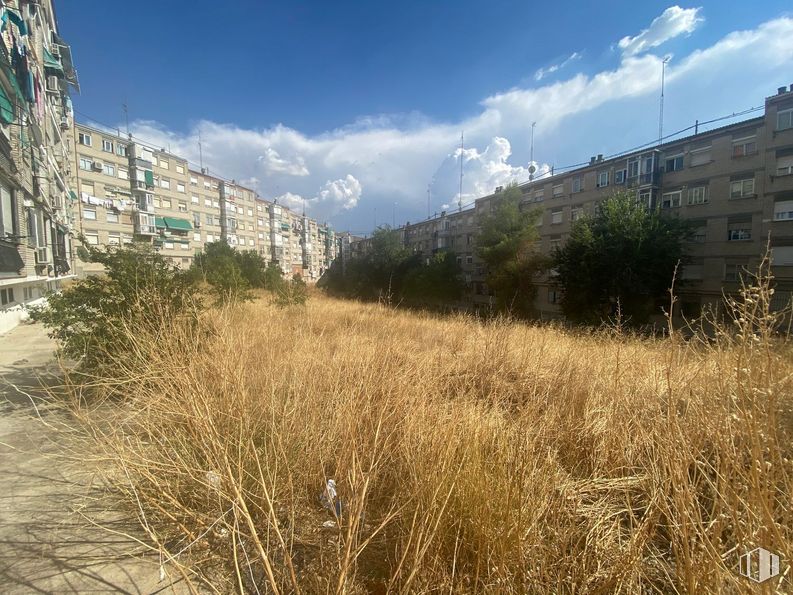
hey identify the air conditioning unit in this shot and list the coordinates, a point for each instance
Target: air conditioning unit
(43, 255)
(53, 84)
(65, 123)
(97, 166)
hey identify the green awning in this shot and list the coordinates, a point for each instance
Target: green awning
(285, 226)
(148, 175)
(6, 108)
(178, 224)
(52, 62)
(73, 194)
(159, 222)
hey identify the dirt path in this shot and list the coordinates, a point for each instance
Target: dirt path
(47, 545)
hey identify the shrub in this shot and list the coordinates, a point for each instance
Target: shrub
(291, 293)
(92, 318)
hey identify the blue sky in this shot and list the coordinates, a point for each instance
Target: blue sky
(355, 106)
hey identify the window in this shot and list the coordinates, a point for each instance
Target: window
(108, 169)
(577, 184)
(558, 190)
(469, 259)
(182, 207)
(619, 176)
(92, 238)
(107, 145)
(84, 139)
(121, 150)
(165, 183)
(250, 212)
(210, 238)
(539, 195)
(553, 296)
(216, 204)
(210, 220)
(646, 198)
(784, 165)
(179, 187)
(207, 202)
(123, 173)
(700, 156)
(782, 255)
(196, 236)
(251, 242)
(603, 179)
(260, 222)
(261, 236)
(86, 163)
(8, 218)
(112, 217)
(698, 195)
(555, 243)
(784, 119)
(670, 200)
(166, 203)
(194, 199)
(783, 210)
(179, 169)
(206, 184)
(163, 163)
(699, 236)
(744, 146)
(739, 230)
(576, 213)
(633, 168)
(733, 271)
(168, 245)
(114, 238)
(193, 181)
(259, 208)
(674, 163)
(742, 188)
(6, 296)
(89, 214)
(157, 202)
(556, 216)
(196, 219)
(87, 187)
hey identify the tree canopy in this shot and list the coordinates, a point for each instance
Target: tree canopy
(624, 254)
(507, 243)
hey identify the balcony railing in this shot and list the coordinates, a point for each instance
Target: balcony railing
(648, 179)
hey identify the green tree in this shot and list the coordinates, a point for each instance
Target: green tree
(506, 242)
(436, 283)
(92, 318)
(625, 254)
(219, 266)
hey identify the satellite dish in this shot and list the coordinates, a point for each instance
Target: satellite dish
(532, 169)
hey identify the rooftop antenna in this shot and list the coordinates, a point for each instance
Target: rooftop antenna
(429, 194)
(661, 114)
(532, 169)
(126, 116)
(462, 149)
(200, 150)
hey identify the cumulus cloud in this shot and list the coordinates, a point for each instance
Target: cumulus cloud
(543, 72)
(673, 21)
(274, 163)
(378, 160)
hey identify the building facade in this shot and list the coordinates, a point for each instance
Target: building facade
(129, 190)
(37, 201)
(734, 183)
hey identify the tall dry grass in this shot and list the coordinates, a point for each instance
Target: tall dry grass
(470, 456)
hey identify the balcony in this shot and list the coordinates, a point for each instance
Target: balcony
(648, 179)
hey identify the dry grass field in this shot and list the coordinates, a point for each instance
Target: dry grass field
(469, 456)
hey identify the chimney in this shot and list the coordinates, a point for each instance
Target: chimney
(781, 90)
(600, 157)
(591, 161)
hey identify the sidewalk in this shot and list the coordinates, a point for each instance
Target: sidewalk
(46, 543)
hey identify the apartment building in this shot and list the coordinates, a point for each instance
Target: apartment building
(36, 199)
(129, 190)
(735, 183)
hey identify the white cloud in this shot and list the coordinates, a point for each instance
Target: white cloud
(378, 160)
(673, 21)
(274, 163)
(543, 72)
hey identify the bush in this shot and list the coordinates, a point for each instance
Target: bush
(231, 273)
(92, 318)
(292, 293)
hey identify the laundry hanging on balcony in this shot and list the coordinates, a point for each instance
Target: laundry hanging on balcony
(10, 15)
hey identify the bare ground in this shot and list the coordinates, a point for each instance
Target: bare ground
(58, 530)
